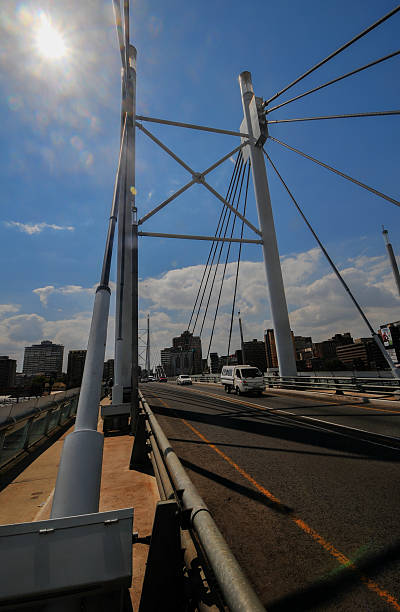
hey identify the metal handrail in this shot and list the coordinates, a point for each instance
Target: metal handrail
(236, 589)
(23, 411)
(32, 422)
(384, 386)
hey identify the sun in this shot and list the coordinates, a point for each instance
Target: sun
(49, 41)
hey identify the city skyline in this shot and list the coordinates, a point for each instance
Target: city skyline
(59, 149)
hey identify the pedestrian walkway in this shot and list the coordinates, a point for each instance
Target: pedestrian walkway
(29, 496)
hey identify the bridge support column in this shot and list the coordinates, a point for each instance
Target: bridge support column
(280, 318)
(77, 488)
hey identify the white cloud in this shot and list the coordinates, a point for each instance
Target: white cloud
(6, 308)
(317, 302)
(318, 305)
(22, 330)
(45, 292)
(37, 228)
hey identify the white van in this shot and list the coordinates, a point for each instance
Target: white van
(242, 379)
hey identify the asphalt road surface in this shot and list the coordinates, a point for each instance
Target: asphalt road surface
(305, 491)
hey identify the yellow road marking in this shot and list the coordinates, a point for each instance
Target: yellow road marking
(325, 544)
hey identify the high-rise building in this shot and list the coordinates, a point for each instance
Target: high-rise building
(327, 348)
(270, 348)
(255, 354)
(363, 353)
(187, 342)
(44, 358)
(7, 372)
(214, 363)
(166, 360)
(301, 344)
(76, 364)
(108, 370)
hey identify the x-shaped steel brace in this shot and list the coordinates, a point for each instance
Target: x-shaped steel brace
(197, 177)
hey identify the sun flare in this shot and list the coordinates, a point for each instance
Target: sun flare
(49, 41)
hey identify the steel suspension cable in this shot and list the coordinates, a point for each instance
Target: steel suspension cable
(238, 263)
(226, 262)
(340, 78)
(342, 174)
(220, 251)
(216, 234)
(336, 271)
(372, 114)
(234, 186)
(332, 55)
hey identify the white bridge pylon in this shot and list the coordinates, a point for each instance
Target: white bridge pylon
(251, 147)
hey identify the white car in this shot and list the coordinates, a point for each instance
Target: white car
(183, 379)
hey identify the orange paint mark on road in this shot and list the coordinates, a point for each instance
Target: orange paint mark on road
(346, 562)
(325, 544)
(237, 467)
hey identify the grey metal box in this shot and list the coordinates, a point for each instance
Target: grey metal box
(46, 558)
(115, 410)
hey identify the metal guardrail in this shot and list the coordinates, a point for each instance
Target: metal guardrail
(24, 424)
(383, 386)
(174, 484)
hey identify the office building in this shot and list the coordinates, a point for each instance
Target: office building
(270, 348)
(255, 354)
(44, 358)
(302, 345)
(327, 348)
(362, 354)
(214, 363)
(7, 372)
(187, 342)
(76, 364)
(108, 370)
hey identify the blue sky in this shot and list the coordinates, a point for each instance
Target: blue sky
(59, 146)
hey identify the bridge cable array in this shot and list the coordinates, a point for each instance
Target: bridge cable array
(238, 264)
(232, 184)
(335, 53)
(226, 261)
(342, 174)
(214, 243)
(330, 261)
(238, 179)
(336, 80)
(225, 230)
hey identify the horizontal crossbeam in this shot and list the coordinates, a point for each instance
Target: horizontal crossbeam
(188, 237)
(192, 126)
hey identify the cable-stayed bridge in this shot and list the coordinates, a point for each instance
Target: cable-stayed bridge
(294, 502)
